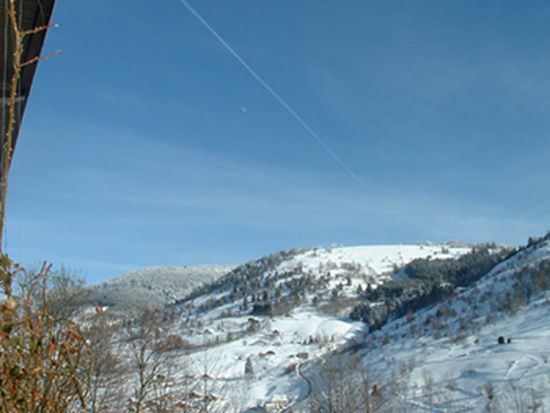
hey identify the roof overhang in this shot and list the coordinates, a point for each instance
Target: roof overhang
(31, 14)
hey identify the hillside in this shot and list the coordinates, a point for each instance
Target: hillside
(331, 278)
(297, 330)
(483, 348)
(154, 286)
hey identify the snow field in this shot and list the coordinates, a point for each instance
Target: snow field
(445, 357)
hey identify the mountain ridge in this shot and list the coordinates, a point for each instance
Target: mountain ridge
(155, 287)
(466, 327)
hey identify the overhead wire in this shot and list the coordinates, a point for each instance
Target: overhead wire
(273, 93)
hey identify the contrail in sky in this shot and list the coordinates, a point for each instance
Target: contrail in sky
(271, 91)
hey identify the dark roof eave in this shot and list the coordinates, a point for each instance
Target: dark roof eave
(35, 13)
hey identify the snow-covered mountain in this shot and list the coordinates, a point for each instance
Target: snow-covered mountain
(435, 327)
(154, 286)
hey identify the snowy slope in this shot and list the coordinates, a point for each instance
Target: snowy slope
(294, 277)
(227, 334)
(443, 357)
(448, 356)
(365, 264)
(154, 286)
(373, 260)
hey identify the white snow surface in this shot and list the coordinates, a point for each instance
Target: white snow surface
(376, 259)
(363, 265)
(448, 366)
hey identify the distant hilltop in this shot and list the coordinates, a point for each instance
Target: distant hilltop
(154, 286)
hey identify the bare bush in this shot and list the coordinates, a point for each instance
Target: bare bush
(107, 392)
(344, 385)
(41, 358)
(146, 360)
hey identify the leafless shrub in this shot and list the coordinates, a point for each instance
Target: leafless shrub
(174, 342)
(107, 391)
(41, 356)
(345, 385)
(290, 368)
(146, 359)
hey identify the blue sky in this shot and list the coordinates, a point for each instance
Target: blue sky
(147, 143)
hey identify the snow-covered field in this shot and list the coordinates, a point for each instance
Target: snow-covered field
(373, 264)
(372, 259)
